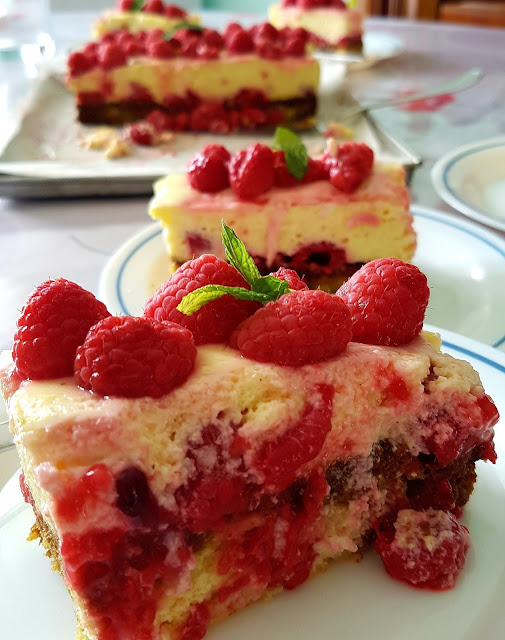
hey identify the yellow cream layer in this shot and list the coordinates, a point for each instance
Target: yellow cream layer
(135, 21)
(328, 23)
(62, 430)
(373, 222)
(211, 79)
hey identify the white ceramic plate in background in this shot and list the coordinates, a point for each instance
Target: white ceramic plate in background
(464, 263)
(472, 180)
(345, 602)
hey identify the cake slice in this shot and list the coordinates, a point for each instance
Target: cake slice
(332, 24)
(179, 471)
(196, 79)
(342, 210)
(142, 15)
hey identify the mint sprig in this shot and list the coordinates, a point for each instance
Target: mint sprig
(137, 5)
(263, 288)
(183, 24)
(295, 152)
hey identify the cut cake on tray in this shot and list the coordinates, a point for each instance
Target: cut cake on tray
(238, 437)
(196, 79)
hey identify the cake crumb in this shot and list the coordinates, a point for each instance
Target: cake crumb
(338, 130)
(118, 148)
(100, 139)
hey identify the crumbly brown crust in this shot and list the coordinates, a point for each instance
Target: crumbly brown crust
(296, 111)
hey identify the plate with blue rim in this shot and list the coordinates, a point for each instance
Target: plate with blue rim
(471, 179)
(464, 263)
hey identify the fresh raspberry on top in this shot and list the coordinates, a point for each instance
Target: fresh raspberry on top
(173, 11)
(208, 170)
(252, 171)
(291, 277)
(134, 357)
(215, 321)
(387, 299)
(351, 166)
(299, 328)
(154, 6)
(426, 549)
(52, 324)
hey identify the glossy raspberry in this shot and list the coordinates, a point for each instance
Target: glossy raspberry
(52, 324)
(208, 170)
(252, 171)
(111, 55)
(162, 49)
(215, 321)
(173, 11)
(142, 133)
(160, 120)
(125, 5)
(213, 38)
(426, 549)
(239, 41)
(133, 357)
(79, 62)
(351, 166)
(387, 299)
(299, 328)
(291, 277)
(153, 6)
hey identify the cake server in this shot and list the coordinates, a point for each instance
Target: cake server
(462, 82)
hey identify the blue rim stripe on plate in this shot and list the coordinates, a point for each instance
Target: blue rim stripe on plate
(421, 214)
(484, 147)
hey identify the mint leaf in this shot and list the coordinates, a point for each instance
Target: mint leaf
(193, 301)
(183, 24)
(236, 254)
(271, 286)
(137, 5)
(295, 152)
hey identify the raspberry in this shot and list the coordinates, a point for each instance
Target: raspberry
(160, 120)
(53, 323)
(215, 321)
(160, 49)
(387, 299)
(239, 41)
(208, 170)
(142, 133)
(125, 5)
(427, 549)
(207, 116)
(295, 47)
(282, 177)
(173, 11)
(252, 171)
(213, 38)
(133, 357)
(291, 277)
(79, 62)
(111, 55)
(153, 6)
(264, 31)
(299, 328)
(351, 166)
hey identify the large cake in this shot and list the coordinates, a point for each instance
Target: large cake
(198, 78)
(189, 468)
(142, 15)
(342, 210)
(332, 24)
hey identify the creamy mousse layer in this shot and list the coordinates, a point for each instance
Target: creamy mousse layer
(335, 26)
(372, 222)
(135, 21)
(216, 80)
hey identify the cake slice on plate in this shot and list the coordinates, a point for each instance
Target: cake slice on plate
(323, 217)
(142, 15)
(196, 79)
(332, 24)
(238, 437)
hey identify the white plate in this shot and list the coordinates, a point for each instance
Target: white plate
(465, 266)
(472, 180)
(346, 602)
(376, 47)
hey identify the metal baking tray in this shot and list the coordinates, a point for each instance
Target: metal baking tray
(44, 158)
